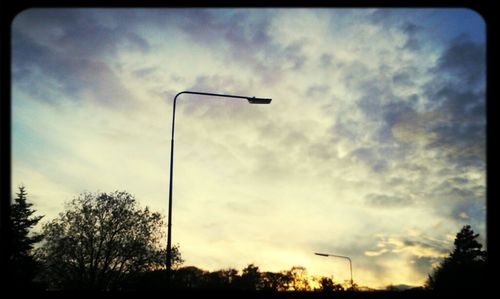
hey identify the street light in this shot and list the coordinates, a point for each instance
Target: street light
(251, 100)
(341, 256)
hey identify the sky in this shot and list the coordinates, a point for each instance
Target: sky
(373, 146)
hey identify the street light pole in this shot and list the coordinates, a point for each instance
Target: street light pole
(340, 256)
(251, 100)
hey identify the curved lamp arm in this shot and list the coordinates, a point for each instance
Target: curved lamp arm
(251, 100)
(341, 256)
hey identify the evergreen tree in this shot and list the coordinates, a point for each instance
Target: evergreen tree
(464, 268)
(21, 262)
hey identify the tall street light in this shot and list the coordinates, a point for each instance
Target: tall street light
(251, 100)
(341, 256)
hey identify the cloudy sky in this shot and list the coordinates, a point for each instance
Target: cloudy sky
(373, 146)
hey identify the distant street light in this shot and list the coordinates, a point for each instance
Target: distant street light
(251, 100)
(341, 256)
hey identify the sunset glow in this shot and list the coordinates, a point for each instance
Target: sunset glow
(373, 146)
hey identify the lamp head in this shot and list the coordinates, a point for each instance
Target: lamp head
(321, 254)
(254, 100)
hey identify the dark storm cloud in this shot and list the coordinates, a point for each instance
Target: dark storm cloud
(455, 90)
(247, 34)
(452, 126)
(464, 145)
(248, 38)
(70, 47)
(383, 17)
(403, 78)
(410, 28)
(455, 191)
(412, 42)
(394, 112)
(473, 212)
(33, 65)
(137, 43)
(459, 95)
(370, 103)
(455, 109)
(377, 100)
(200, 24)
(465, 198)
(381, 110)
(79, 32)
(461, 105)
(27, 58)
(207, 27)
(391, 19)
(465, 60)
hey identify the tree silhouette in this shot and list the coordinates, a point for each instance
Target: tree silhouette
(249, 279)
(22, 265)
(220, 280)
(189, 278)
(327, 285)
(271, 281)
(102, 241)
(298, 279)
(464, 268)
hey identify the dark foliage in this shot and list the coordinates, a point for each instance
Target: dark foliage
(250, 280)
(464, 269)
(21, 263)
(102, 242)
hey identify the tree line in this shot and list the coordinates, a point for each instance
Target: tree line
(105, 241)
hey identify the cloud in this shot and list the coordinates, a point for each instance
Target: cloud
(382, 200)
(376, 253)
(424, 264)
(78, 32)
(412, 42)
(248, 41)
(464, 60)
(403, 78)
(371, 158)
(326, 60)
(145, 72)
(382, 17)
(362, 132)
(422, 249)
(68, 54)
(395, 245)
